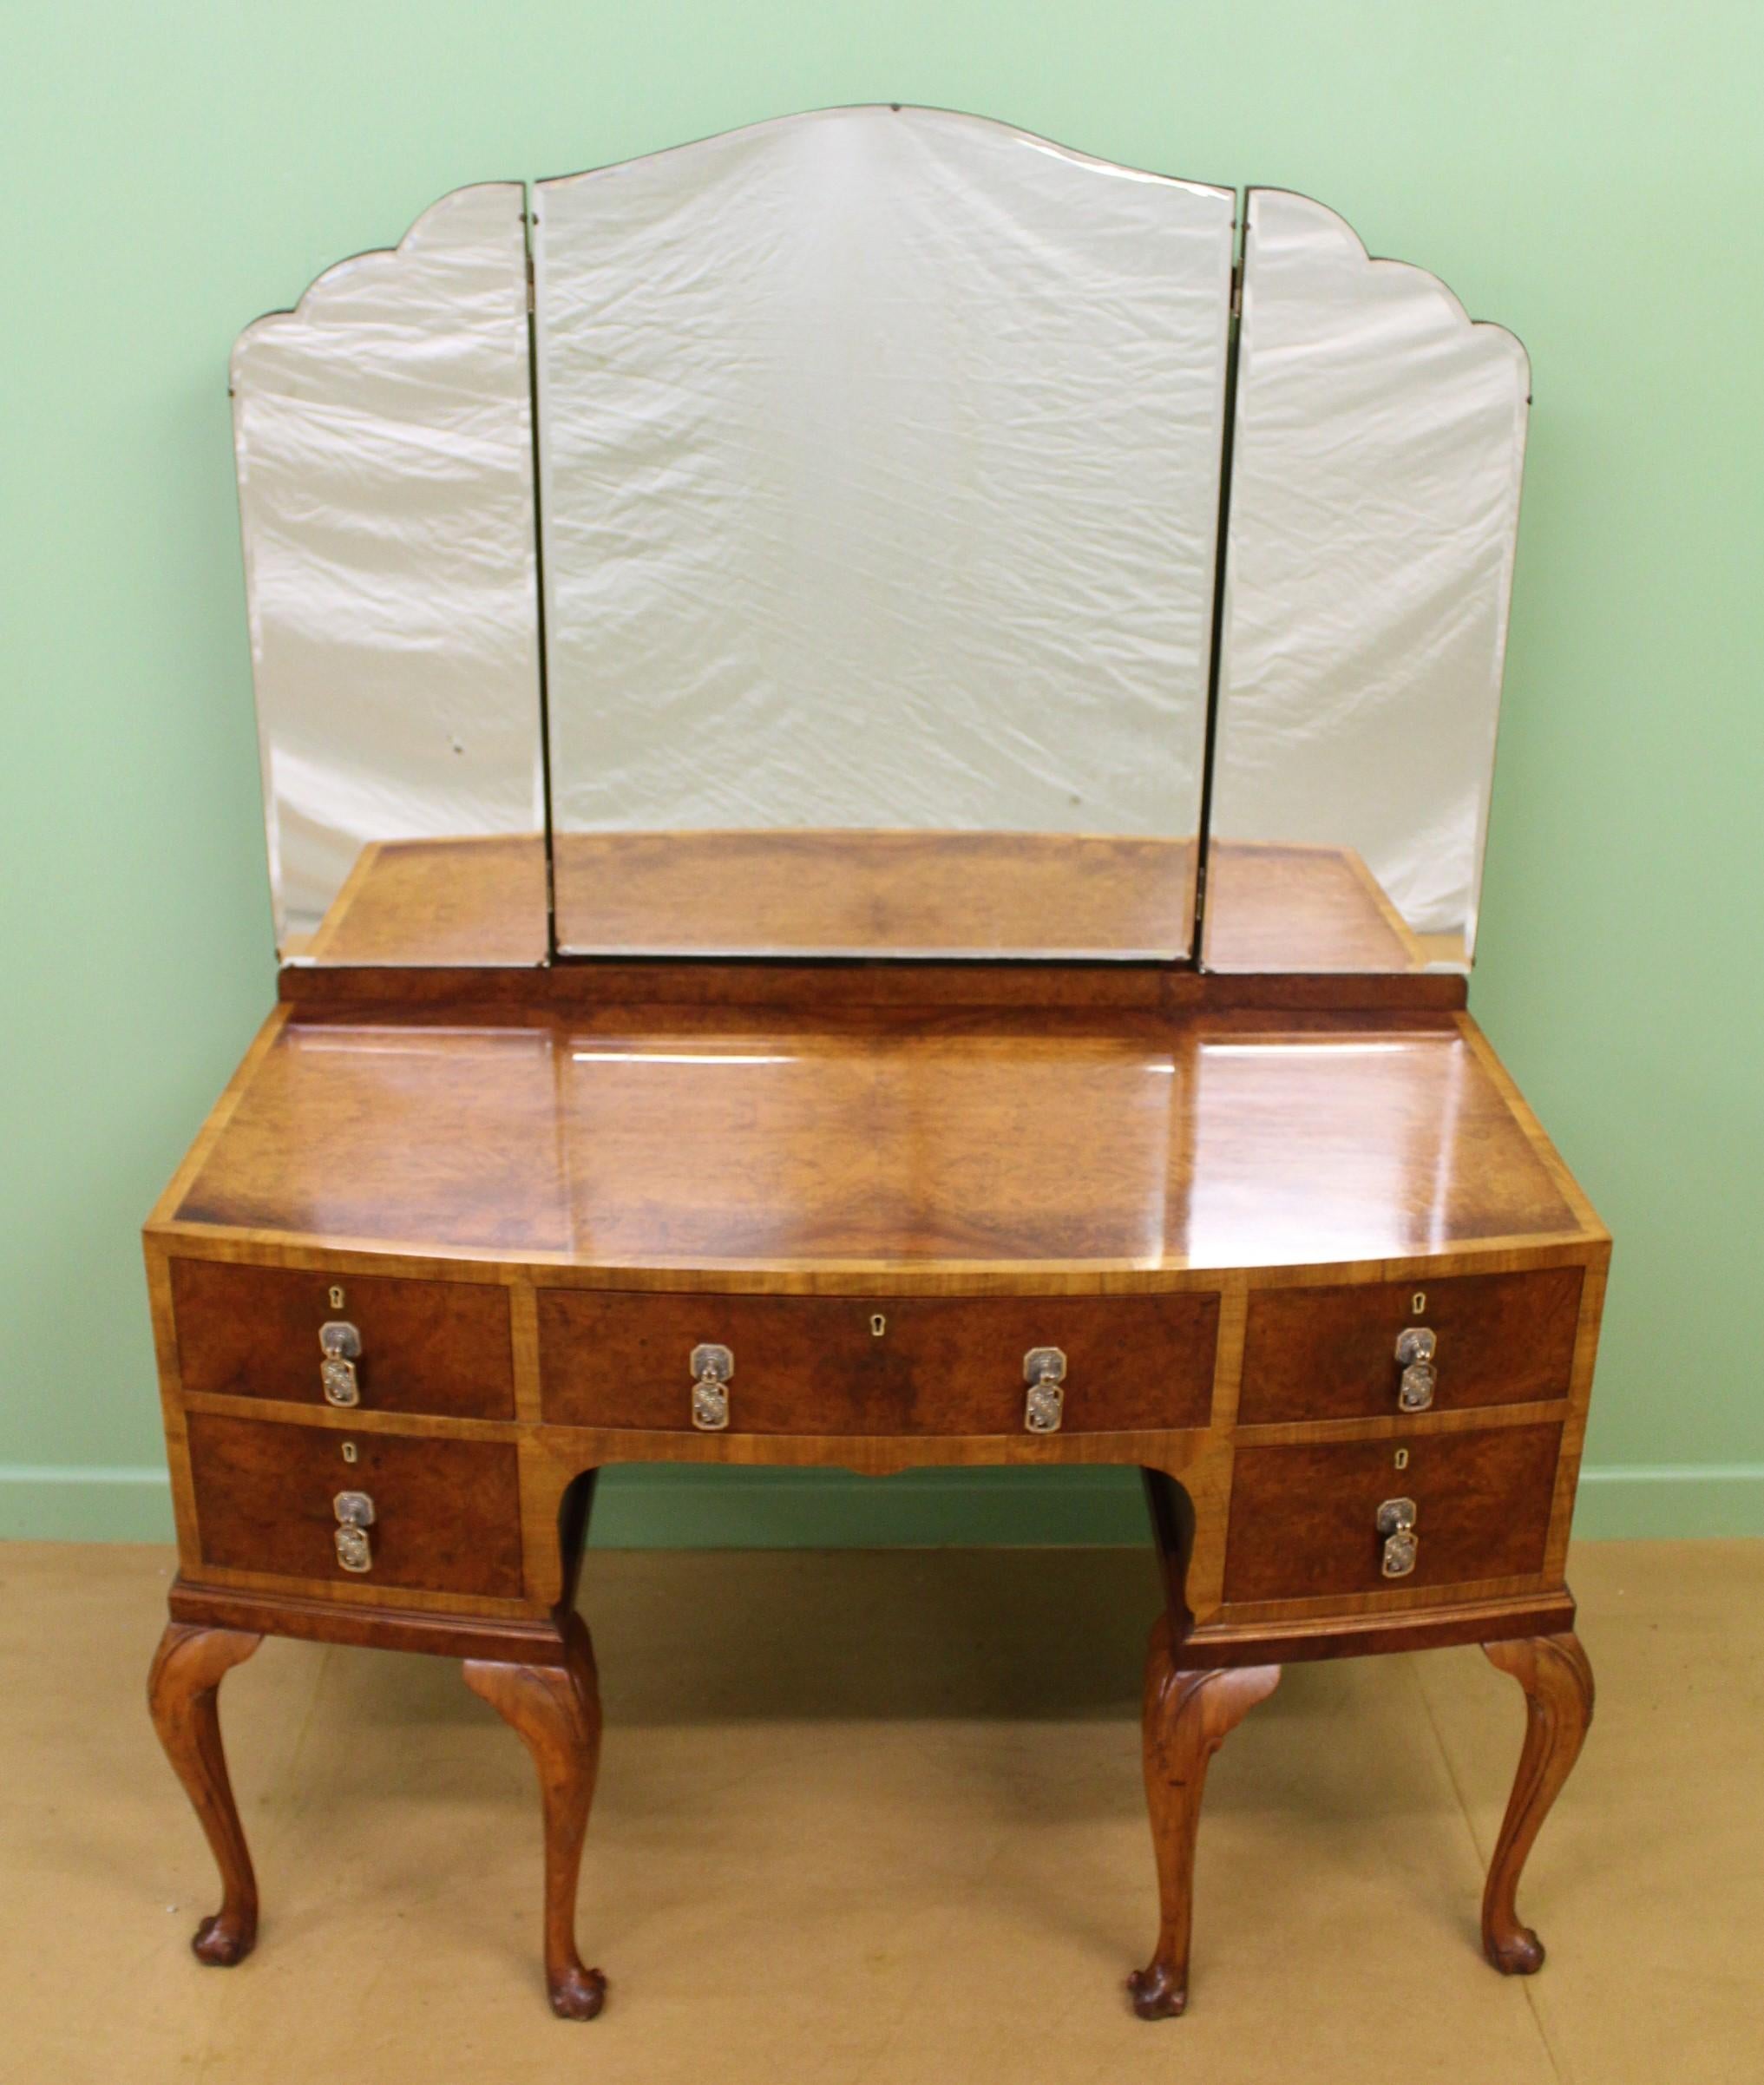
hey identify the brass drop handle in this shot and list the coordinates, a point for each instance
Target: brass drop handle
(1044, 1406)
(1396, 1523)
(355, 1516)
(1415, 1348)
(339, 1348)
(712, 1369)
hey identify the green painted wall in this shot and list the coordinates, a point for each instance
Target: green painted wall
(1585, 172)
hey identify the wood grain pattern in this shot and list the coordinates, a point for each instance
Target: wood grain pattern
(1303, 1518)
(1340, 1631)
(454, 1632)
(481, 900)
(556, 1709)
(1212, 1209)
(838, 986)
(164, 1346)
(1187, 1716)
(447, 1512)
(182, 1692)
(1288, 907)
(1580, 1400)
(793, 893)
(1330, 1353)
(672, 1143)
(1400, 1427)
(819, 1365)
(356, 1421)
(1557, 1683)
(427, 1347)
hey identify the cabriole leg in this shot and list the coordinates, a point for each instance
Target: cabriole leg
(555, 1710)
(1188, 1715)
(181, 1691)
(1557, 1682)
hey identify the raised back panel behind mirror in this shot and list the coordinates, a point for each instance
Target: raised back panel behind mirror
(879, 457)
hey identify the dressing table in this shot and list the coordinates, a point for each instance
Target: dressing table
(876, 738)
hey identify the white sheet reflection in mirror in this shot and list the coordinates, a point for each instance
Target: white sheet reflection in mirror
(385, 478)
(1374, 507)
(879, 458)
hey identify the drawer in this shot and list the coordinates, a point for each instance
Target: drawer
(843, 1365)
(427, 1347)
(1331, 1353)
(446, 1513)
(1304, 1519)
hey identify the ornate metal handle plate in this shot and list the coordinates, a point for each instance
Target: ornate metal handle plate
(355, 1516)
(340, 1345)
(1396, 1523)
(712, 1369)
(1415, 1348)
(1044, 1406)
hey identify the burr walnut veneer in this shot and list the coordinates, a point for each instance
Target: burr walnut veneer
(1296, 1249)
(877, 739)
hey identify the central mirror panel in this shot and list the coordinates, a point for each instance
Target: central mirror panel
(880, 470)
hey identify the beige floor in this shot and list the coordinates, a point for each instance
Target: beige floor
(876, 1817)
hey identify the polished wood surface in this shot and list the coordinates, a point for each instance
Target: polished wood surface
(1303, 1516)
(1331, 1353)
(1290, 907)
(466, 901)
(446, 1512)
(1557, 1680)
(555, 1710)
(434, 1347)
(535, 1206)
(859, 893)
(182, 1692)
(1187, 1716)
(720, 1139)
(482, 900)
(880, 1113)
(820, 1365)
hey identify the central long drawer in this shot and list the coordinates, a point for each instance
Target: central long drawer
(890, 1365)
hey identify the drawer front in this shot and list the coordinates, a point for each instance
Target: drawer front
(446, 1513)
(820, 1364)
(1331, 1353)
(426, 1347)
(1304, 1519)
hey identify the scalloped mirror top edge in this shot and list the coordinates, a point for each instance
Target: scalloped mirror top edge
(400, 740)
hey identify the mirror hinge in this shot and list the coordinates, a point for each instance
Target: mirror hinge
(531, 304)
(1236, 288)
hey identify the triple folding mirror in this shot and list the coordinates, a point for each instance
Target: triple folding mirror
(878, 531)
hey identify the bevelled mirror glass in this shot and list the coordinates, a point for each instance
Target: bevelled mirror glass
(865, 472)
(384, 445)
(1374, 502)
(880, 460)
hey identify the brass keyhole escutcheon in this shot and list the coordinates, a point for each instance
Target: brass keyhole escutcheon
(1418, 1303)
(336, 1297)
(878, 1325)
(1400, 1460)
(348, 1450)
